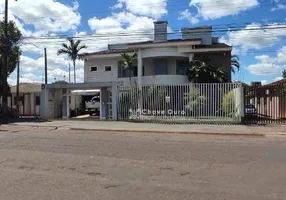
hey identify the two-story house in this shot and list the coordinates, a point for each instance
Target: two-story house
(159, 61)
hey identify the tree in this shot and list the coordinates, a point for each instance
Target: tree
(235, 65)
(126, 62)
(203, 72)
(284, 73)
(13, 55)
(72, 50)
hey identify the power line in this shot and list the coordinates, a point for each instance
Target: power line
(174, 8)
(146, 33)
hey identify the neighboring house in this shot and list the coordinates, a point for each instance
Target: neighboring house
(269, 99)
(160, 61)
(29, 97)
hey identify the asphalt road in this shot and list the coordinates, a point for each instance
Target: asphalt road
(38, 164)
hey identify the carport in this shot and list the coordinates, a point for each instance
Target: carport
(56, 98)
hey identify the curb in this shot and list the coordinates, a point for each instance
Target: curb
(170, 132)
(145, 131)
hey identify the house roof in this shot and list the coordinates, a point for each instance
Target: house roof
(116, 51)
(280, 82)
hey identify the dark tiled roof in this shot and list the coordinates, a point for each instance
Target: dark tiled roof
(280, 82)
(109, 52)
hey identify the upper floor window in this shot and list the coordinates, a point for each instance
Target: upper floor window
(161, 66)
(182, 67)
(107, 68)
(93, 69)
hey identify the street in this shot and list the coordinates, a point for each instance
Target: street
(45, 163)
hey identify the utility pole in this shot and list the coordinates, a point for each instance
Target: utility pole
(18, 85)
(46, 67)
(6, 49)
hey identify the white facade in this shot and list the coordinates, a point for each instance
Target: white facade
(148, 60)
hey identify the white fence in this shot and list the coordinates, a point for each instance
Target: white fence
(192, 103)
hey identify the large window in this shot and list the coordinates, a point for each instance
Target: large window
(161, 66)
(182, 66)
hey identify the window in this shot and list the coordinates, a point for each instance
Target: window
(161, 66)
(38, 100)
(93, 69)
(107, 68)
(182, 67)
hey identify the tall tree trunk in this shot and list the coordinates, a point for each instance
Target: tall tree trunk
(74, 71)
(5, 93)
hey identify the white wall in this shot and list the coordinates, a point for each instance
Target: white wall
(162, 51)
(149, 70)
(159, 80)
(101, 75)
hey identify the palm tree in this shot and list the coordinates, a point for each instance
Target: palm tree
(284, 73)
(127, 61)
(235, 65)
(72, 49)
(202, 72)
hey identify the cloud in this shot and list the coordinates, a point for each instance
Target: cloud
(44, 15)
(186, 14)
(212, 9)
(151, 8)
(255, 36)
(278, 5)
(269, 65)
(120, 28)
(262, 69)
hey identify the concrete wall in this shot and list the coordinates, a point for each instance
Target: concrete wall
(101, 75)
(162, 52)
(159, 80)
(29, 107)
(149, 72)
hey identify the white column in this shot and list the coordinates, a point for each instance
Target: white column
(140, 67)
(191, 57)
(68, 104)
(27, 104)
(9, 101)
(140, 73)
(44, 104)
(103, 103)
(114, 92)
(239, 102)
(33, 105)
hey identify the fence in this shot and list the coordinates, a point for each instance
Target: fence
(192, 103)
(268, 103)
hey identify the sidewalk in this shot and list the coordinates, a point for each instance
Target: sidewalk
(158, 128)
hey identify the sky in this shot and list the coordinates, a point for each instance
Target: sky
(240, 23)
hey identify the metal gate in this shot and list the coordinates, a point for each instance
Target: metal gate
(190, 103)
(265, 104)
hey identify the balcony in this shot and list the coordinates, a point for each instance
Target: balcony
(157, 80)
